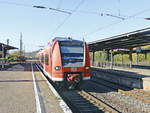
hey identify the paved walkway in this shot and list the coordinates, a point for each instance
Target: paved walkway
(49, 102)
(17, 93)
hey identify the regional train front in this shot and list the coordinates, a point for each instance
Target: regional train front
(75, 62)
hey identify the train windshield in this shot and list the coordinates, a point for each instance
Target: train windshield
(72, 53)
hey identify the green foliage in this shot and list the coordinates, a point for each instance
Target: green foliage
(148, 57)
(101, 56)
(10, 58)
(14, 56)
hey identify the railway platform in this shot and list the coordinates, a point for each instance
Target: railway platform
(130, 77)
(24, 90)
(142, 74)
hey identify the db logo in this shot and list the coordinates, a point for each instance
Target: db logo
(73, 69)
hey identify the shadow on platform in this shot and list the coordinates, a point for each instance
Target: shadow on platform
(18, 67)
(21, 81)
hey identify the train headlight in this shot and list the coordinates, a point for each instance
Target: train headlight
(57, 68)
(87, 67)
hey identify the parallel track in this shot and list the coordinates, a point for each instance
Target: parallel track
(100, 104)
(135, 93)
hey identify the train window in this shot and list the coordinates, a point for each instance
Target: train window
(42, 59)
(71, 43)
(72, 53)
(71, 49)
(46, 59)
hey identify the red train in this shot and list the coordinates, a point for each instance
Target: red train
(66, 61)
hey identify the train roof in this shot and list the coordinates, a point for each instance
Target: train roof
(62, 39)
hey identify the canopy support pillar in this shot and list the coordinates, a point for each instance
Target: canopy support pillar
(137, 58)
(130, 56)
(122, 59)
(112, 59)
(93, 60)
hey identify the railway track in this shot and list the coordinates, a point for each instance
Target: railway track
(119, 101)
(84, 102)
(135, 93)
(99, 103)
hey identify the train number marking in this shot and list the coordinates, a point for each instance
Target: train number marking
(73, 69)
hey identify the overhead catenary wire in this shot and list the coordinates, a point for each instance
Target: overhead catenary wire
(67, 11)
(43, 7)
(101, 28)
(97, 13)
(35, 6)
(83, 11)
(119, 8)
(63, 22)
(14, 3)
(116, 22)
(111, 15)
(60, 10)
(59, 4)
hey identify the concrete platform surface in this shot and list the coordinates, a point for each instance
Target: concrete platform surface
(144, 73)
(134, 78)
(17, 94)
(49, 102)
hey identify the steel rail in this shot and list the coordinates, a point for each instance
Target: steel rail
(128, 93)
(142, 91)
(100, 104)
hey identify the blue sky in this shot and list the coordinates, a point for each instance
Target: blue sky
(38, 26)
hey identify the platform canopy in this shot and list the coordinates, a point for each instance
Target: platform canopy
(4, 48)
(7, 47)
(123, 41)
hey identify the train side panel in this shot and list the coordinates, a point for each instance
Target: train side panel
(87, 72)
(48, 63)
(57, 71)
